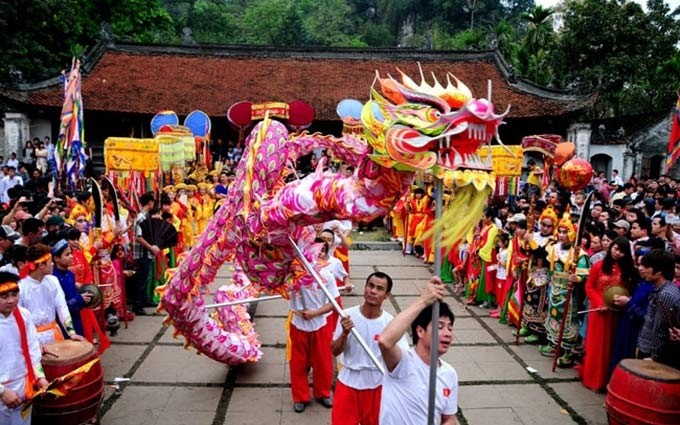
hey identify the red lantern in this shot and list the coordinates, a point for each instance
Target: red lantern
(575, 174)
(564, 152)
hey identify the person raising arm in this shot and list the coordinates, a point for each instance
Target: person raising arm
(406, 383)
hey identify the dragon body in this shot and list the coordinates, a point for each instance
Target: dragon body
(408, 127)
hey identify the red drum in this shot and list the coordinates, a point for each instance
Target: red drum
(643, 392)
(81, 404)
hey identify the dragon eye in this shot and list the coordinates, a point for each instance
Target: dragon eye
(433, 115)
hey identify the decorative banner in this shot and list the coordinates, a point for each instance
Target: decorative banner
(171, 151)
(507, 186)
(185, 135)
(298, 113)
(275, 109)
(70, 157)
(189, 148)
(503, 162)
(127, 154)
(542, 143)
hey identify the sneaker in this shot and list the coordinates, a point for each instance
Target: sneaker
(523, 331)
(547, 350)
(532, 339)
(112, 320)
(565, 361)
(299, 407)
(485, 304)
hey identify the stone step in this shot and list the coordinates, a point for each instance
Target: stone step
(375, 246)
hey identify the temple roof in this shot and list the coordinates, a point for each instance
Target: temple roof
(144, 79)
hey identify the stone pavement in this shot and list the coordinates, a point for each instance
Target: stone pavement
(170, 385)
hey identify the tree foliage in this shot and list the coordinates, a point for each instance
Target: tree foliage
(615, 47)
(41, 36)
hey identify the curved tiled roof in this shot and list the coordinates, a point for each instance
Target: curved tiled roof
(145, 79)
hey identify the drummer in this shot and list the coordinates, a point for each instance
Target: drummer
(16, 326)
(42, 295)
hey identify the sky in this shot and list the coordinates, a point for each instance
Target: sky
(548, 3)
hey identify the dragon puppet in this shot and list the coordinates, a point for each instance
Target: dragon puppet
(407, 127)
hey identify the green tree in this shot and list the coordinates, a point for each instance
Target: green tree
(533, 54)
(271, 22)
(328, 23)
(42, 36)
(149, 23)
(506, 41)
(213, 21)
(616, 48)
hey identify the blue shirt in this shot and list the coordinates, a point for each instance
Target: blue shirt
(221, 190)
(75, 302)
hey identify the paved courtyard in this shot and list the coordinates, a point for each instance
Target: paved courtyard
(500, 383)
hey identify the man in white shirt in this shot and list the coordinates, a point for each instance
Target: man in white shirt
(8, 182)
(310, 340)
(406, 383)
(13, 161)
(359, 385)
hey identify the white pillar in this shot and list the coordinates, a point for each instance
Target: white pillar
(16, 132)
(579, 135)
(628, 165)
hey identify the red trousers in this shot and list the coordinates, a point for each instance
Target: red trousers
(332, 319)
(353, 407)
(310, 349)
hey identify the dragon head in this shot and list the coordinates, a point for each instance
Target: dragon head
(428, 127)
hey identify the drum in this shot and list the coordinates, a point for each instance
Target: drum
(643, 392)
(81, 404)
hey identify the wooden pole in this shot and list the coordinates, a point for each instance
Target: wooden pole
(434, 351)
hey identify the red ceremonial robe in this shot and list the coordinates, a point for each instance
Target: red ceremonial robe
(601, 329)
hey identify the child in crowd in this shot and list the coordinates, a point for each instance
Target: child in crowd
(501, 273)
(20, 368)
(42, 295)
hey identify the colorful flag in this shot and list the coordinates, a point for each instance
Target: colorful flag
(61, 386)
(674, 139)
(70, 156)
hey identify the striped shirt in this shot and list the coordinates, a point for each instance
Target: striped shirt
(663, 312)
(138, 250)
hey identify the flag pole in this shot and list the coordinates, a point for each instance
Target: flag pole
(434, 351)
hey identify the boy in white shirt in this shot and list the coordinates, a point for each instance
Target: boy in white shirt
(20, 368)
(41, 294)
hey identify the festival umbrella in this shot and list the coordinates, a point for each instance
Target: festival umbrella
(70, 154)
